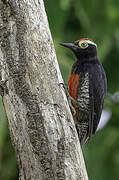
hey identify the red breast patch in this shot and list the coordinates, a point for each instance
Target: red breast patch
(73, 84)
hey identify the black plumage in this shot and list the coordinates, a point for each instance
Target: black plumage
(87, 86)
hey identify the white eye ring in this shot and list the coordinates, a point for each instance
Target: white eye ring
(83, 44)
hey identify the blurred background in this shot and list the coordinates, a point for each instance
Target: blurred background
(70, 20)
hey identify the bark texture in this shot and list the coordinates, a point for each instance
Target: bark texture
(40, 122)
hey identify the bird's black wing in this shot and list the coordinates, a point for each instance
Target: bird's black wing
(97, 91)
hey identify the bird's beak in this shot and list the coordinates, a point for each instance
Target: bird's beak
(69, 45)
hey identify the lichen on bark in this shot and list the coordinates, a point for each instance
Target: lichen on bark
(40, 122)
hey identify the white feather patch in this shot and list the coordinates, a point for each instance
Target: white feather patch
(90, 42)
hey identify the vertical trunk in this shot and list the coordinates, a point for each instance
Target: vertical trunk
(40, 122)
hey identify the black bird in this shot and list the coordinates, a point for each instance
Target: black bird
(87, 86)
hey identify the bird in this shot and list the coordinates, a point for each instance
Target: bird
(87, 86)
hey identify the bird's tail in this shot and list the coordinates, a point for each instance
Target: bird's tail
(82, 130)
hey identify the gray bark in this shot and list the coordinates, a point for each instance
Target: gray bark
(40, 121)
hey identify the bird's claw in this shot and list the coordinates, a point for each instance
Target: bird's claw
(72, 100)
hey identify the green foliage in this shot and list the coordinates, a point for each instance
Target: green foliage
(8, 165)
(71, 20)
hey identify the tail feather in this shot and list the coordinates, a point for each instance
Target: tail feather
(82, 130)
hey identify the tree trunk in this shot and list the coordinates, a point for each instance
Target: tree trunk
(40, 121)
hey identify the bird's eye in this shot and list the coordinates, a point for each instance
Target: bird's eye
(83, 44)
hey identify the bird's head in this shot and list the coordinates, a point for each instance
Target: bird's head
(83, 48)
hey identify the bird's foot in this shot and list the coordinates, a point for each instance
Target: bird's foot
(66, 88)
(71, 101)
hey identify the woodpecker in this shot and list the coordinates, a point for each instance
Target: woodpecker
(87, 86)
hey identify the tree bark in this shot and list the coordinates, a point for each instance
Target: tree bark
(41, 125)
